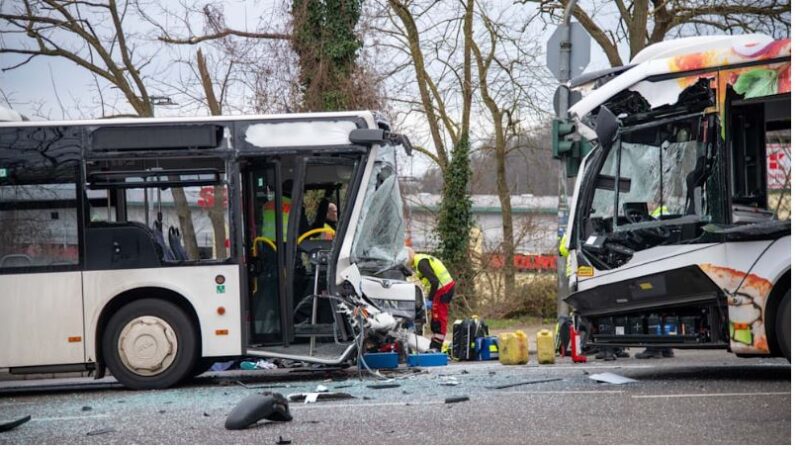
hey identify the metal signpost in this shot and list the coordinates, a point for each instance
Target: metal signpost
(567, 56)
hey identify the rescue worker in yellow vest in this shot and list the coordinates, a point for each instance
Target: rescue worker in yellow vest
(268, 214)
(440, 290)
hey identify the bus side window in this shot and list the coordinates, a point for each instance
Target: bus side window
(38, 207)
(761, 159)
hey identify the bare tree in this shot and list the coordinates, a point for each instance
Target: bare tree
(449, 57)
(92, 36)
(509, 81)
(644, 22)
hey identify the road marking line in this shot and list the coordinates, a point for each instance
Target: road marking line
(49, 419)
(360, 405)
(558, 392)
(718, 394)
(441, 402)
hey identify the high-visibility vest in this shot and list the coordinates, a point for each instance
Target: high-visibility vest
(562, 246)
(660, 211)
(268, 218)
(438, 269)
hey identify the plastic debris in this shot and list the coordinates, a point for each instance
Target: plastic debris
(611, 378)
(268, 405)
(221, 366)
(319, 396)
(523, 383)
(282, 441)
(383, 386)
(449, 381)
(86, 408)
(8, 426)
(322, 388)
(101, 431)
(460, 399)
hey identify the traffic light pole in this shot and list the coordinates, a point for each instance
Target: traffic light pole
(563, 191)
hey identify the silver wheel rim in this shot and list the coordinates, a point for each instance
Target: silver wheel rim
(147, 346)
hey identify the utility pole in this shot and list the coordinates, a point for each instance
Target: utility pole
(563, 188)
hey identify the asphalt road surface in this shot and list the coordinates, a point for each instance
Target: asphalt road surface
(699, 397)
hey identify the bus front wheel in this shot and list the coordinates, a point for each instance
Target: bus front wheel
(150, 344)
(783, 320)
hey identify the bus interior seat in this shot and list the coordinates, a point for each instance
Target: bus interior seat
(174, 236)
(158, 234)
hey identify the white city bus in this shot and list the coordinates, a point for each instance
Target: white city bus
(154, 247)
(679, 231)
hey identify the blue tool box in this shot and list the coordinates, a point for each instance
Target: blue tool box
(388, 360)
(427, 360)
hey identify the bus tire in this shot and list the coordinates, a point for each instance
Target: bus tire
(783, 322)
(150, 344)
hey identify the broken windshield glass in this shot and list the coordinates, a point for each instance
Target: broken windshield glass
(379, 240)
(648, 180)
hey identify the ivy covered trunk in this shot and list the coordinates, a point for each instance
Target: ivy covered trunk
(327, 45)
(455, 221)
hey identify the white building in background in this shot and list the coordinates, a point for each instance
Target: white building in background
(535, 221)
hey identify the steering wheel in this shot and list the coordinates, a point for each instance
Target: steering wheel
(636, 216)
(313, 232)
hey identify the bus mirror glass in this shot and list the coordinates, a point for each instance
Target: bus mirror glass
(607, 127)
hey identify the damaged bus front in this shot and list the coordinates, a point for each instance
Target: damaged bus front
(679, 230)
(156, 247)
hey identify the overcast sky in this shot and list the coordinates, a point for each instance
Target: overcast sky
(55, 88)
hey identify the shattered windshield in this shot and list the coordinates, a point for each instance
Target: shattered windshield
(655, 176)
(379, 240)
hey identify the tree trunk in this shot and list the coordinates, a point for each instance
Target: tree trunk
(638, 27)
(509, 271)
(217, 212)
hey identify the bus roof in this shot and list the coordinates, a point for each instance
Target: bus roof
(294, 117)
(693, 54)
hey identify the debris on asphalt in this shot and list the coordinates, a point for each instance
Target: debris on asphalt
(101, 431)
(342, 386)
(8, 426)
(448, 381)
(259, 364)
(261, 386)
(313, 397)
(322, 388)
(523, 383)
(221, 366)
(282, 441)
(205, 414)
(267, 405)
(383, 386)
(611, 378)
(460, 399)
(86, 408)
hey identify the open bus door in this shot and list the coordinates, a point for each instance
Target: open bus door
(290, 235)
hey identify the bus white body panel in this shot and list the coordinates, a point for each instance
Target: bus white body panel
(41, 308)
(196, 284)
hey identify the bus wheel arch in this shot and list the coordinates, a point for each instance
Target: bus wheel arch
(177, 302)
(774, 301)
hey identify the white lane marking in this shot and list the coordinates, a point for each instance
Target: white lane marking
(717, 394)
(49, 419)
(441, 402)
(508, 392)
(364, 405)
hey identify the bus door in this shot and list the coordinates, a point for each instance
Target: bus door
(266, 213)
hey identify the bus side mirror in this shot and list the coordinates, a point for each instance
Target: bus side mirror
(607, 127)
